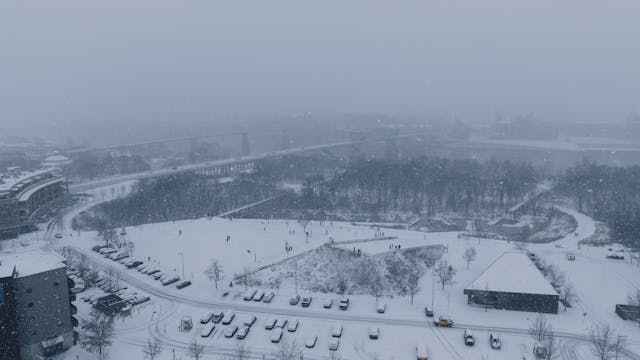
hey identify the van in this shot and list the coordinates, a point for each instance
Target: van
(421, 352)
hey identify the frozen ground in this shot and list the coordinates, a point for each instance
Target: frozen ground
(600, 284)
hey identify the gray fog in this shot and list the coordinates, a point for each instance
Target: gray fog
(90, 64)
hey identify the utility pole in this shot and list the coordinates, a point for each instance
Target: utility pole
(433, 287)
(181, 254)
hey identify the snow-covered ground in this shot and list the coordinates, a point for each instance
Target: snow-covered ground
(599, 282)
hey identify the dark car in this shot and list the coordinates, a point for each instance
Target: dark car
(615, 257)
(306, 301)
(183, 284)
(134, 264)
(294, 300)
(428, 312)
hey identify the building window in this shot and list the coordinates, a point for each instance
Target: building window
(30, 304)
(55, 283)
(29, 290)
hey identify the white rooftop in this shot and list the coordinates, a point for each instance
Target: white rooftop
(29, 263)
(514, 273)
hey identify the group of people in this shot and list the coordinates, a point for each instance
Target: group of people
(394, 246)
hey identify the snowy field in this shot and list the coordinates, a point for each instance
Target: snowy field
(253, 244)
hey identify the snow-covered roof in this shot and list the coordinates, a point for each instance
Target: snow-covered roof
(9, 181)
(29, 263)
(515, 273)
(24, 196)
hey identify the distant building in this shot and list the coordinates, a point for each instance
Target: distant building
(55, 161)
(22, 193)
(35, 308)
(512, 282)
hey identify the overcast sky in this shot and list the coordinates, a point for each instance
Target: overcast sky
(89, 62)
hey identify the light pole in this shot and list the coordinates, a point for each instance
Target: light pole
(433, 287)
(181, 254)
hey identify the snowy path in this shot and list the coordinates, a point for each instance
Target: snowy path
(586, 228)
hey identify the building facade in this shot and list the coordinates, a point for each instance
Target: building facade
(35, 306)
(22, 193)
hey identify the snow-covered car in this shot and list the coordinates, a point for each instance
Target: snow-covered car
(230, 331)
(311, 341)
(140, 299)
(428, 312)
(170, 280)
(344, 303)
(183, 284)
(268, 297)
(58, 236)
(229, 318)
(207, 330)
(294, 300)
(469, 340)
(293, 325)
(151, 272)
(243, 332)
(328, 303)
(217, 317)
(334, 343)
(374, 333)
(248, 296)
(494, 341)
(276, 336)
(270, 324)
(249, 321)
(259, 296)
(206, 318)
(133, 264)
(306, 301)
(381, 308)
(336, 331)
(281, 323)
(142, 268)
(158, 275)
(571, 257)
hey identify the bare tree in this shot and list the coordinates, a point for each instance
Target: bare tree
(469, 255)
(445, 273)
(568, 295)
(413, 286)
(214, 272)
(152, 349)
(195, 350)
(552, 345)
(556, 277)
(288, 350)
(98, 333)
(634, 299)
(603, 342)
(245, 278)
(539, 328)
(240, 353)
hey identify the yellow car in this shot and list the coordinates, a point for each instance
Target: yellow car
(444, 321)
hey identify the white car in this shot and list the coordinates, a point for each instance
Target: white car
(249, 321)
(327, 304)
(206, 318)
(230, 331)
(229, 318)
(336, 331)
(334, 344)
(276, 336)
(270, 324)
(207, 330)
(281, 323)
(243, 332)
(311, 341)
(381, 308)
(293, 325)
(374, 333)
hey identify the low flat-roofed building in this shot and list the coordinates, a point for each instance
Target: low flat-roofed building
(512, 282)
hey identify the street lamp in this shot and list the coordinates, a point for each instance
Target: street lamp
(181, 254)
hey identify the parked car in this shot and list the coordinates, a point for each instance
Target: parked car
(381, 308)
(207, 330)
(615, 257)
(306, 301)
(58, 236)
(444, 321)
(494, 341)
(170, 280)
(539, 350)
(334, 343)
(230, 331)
(133, 264)
(243, 332)
(421, 352)
(158, 275)
(336, 331)
(294, 300)
(270, 324)
(183, 284)
(119, 256)
(571, 257)
(268, 297)
(469, 340)
(98, 247)
(344, 303)
(327, 304)
(217, 317)
(140, 299)
(142, 268)
(276, 336)
(374, 333)
(281, 323)
(249, 321)
(152, 272)
(228, 318)
(311, 341)
(428, 312)
(293, 325)
(248, 296)
(206, 318)
(259, 296)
